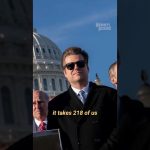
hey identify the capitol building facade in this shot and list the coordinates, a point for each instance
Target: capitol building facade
(47, 72)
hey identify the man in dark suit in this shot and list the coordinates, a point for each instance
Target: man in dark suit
(86, 113)
(40, 110)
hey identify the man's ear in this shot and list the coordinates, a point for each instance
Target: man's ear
(112, 80)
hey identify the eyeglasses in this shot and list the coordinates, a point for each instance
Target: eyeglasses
(70, 66)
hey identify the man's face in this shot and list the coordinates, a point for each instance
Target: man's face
(113, 78)
(40, 105)
(77, 73)
(115, 74)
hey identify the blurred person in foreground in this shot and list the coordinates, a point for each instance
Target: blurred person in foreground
(40, 110)
(133, 130)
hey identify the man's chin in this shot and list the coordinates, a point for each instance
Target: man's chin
(38, 115)
(78, 80)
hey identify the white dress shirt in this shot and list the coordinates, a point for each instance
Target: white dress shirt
(38, 122)
(85, 89)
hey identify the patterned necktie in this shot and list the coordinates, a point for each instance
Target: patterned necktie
(82, 96)
(42, 126)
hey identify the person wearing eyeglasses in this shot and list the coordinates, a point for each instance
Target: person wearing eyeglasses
(86, 113)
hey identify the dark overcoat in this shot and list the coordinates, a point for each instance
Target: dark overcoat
(84, 127)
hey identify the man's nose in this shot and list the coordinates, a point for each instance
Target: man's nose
(37, 105)
(76, 66)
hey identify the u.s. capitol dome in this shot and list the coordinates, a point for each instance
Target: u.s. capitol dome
(47, 72)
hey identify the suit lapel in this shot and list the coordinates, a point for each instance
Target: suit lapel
(74, 105)
(75, 102)
(35, 128)
(92, 96)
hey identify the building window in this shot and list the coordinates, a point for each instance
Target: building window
(28, 100)
(49, 51)
(7, 105)
(43, 50)
(54, 51)
(58, 67)
(60, 84)
(37, 50)
(36, 84)
(45, 84)
(53, 85)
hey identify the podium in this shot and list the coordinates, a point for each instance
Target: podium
(47, 140)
